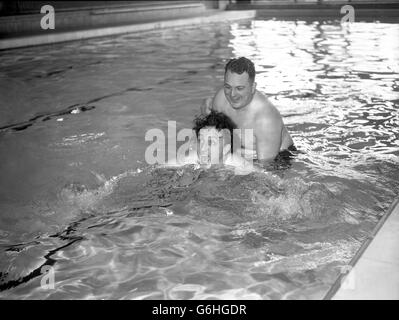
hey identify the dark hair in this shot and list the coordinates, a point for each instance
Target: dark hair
(240, 66)
(215, 119)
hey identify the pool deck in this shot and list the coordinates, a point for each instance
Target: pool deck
(386, 11)
(374, 271)
(209, 16)
(24, 30)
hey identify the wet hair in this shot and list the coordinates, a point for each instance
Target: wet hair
(215, 119)
(240, 66)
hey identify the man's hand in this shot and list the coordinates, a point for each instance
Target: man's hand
(206, 105)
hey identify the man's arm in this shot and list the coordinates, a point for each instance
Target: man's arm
(268, 138)
(206, 105)
(240, 164)
(212, 103)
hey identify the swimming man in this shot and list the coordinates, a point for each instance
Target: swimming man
(213, 144)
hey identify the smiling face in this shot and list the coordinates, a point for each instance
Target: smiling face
(238, 89)
(212, 144)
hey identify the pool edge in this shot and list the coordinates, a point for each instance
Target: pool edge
(45, 39)
(336, 288)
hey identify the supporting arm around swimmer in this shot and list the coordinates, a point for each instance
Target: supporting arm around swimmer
(207, 106)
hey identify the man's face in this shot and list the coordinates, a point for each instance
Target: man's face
(238, 89)
(211, 145)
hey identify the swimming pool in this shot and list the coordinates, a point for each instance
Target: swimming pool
(77, 195)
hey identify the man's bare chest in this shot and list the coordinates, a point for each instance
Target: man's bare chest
(245, 123)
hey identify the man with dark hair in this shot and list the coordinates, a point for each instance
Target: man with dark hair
(213, 144)
(250, 109)
(214, 137)
(220, 122)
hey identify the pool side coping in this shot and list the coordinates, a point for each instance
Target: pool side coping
(48, 38)
(374, 270)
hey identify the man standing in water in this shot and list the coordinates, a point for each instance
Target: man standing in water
(250, 109)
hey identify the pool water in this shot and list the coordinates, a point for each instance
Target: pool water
(76, 193)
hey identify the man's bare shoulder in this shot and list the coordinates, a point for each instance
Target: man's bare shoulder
(264, 108)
